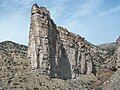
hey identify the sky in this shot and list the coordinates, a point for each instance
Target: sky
(96, 20)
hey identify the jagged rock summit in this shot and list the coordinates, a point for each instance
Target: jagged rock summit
(55, 51)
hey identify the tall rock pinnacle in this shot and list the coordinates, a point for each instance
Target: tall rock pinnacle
(54, 51)
(42, 41)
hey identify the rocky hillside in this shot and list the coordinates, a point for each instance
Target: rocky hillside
(12, 48)
(13, 58)
(111, 55)
(17, 75)
(15, 72)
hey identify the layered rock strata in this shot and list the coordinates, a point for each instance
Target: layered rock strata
(55, 51)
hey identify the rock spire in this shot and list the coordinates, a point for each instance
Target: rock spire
(55, 51)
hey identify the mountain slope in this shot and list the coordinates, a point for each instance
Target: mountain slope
(13, 59)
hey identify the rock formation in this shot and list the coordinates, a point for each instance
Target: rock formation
(15, 73)
(118, 59)
(118, 40)
(55, 51)
(118, 53)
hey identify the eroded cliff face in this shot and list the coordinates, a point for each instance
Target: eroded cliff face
(54, 50)
(78, 53)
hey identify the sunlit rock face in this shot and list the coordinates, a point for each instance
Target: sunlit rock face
(55, 51)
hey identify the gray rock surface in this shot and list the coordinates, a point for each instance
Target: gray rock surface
(54, 50)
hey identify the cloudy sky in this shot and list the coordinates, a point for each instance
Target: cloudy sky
(96, 20)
